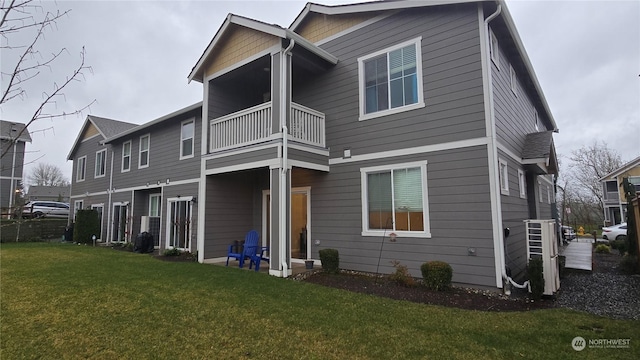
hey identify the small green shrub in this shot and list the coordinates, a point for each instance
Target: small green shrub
(620, 245)
(437, 275)
(536, 278)
(629, 264)
(87, 224)
(330, 260)
(172, 252)
(603, 249)
(402, 276)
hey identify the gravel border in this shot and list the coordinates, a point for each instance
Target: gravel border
(605, 291)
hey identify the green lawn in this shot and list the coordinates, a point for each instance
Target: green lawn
(67, 301)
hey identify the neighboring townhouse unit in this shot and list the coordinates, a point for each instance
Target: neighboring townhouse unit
(49, 193)
(141, 177)
(13, 141)
(90, 186)
(613, 200)
(418, 118)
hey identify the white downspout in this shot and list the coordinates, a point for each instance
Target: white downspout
(284, 165)
(12, 194)
(110, 206)
(494, 150)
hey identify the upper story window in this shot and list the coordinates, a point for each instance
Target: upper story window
(126, 156)
(503, 176)
(513, 80)
(522, 183)
(494, 49)
(394, 198)
(143, 159)
(391, 80)
(101, 163)
(81, 169)
(186, 139)
(536, 119)
(548, 194)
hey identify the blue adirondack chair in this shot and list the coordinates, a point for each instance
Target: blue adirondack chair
(249, 250)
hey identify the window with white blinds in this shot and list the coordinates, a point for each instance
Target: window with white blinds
(395, 200)
(390, 80)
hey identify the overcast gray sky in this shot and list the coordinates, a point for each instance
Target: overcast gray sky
(586, 55)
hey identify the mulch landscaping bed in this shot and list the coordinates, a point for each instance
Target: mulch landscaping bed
(463, 298)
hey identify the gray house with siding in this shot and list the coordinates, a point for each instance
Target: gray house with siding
(419, 118)
(13, 140)
(140, 177)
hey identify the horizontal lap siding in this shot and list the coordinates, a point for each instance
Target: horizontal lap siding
(452, 81)
(243, 158)
(299, 155)
(228, 210)
(90, 184)
(164, 155)
(459, 215)
(514, 114)
(6, 168)
(514, 211)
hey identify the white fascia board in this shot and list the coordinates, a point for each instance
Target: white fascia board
(238, 20)
(381, 5)
(153, 122)
(78, 140)
(366, 7)
(628, 166)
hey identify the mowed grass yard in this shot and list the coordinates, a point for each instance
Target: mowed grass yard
(67, 301)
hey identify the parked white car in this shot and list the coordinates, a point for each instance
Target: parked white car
(39, 209)
(615, 232)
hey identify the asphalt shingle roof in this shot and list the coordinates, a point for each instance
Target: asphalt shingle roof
(538, 145)
(9, 130)
(110, 127)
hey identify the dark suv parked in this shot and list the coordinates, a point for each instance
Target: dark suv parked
(38, 209)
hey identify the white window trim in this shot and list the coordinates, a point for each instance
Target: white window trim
(83, 160)
(522, 183)
(104, 164)
(504, 176)
(140, 166)
(420, 104)
(494, 49)
(426, 233)
(76, 207)
(540, 197)
(193, 139)
(122, 169)
(169, 214)
(536, 119)
(159, 204)
(548, 195)
(513, 80)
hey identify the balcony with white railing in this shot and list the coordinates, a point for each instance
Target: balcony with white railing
(254, 125)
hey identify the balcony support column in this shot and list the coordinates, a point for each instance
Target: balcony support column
(280, 264)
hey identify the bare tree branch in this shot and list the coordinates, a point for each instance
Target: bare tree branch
(20, 16)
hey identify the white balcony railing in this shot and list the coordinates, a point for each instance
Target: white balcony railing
(307, 125)
(245, 127)
(254, 125)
